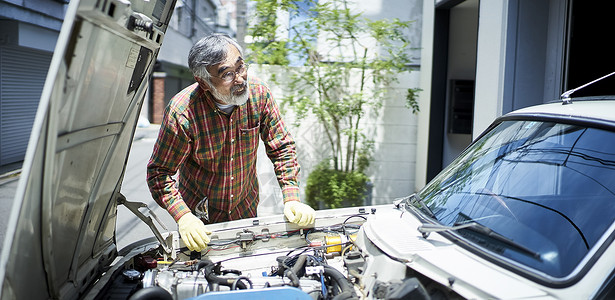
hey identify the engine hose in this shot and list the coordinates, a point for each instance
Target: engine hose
(299, 264)
(347, 290)
(294, 280)
(211, 276)
(296, 271)
(236, 272)
(238, 280)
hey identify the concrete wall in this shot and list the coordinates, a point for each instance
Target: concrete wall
(393, 129)
(424, 99)
(42, 13)
(490, 65)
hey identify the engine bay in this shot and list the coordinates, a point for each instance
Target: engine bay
(269, 260)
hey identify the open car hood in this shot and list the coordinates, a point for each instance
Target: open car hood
(61, 233)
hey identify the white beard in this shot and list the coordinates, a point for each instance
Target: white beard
(231, 98)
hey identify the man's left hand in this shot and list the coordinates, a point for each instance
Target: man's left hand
(299, 213)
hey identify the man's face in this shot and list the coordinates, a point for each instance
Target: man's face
(224, 91)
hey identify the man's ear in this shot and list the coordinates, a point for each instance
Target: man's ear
(203, 84)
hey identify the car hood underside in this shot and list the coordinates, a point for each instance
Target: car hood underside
(61, 235)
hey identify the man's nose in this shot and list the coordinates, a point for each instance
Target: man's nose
(239, 79)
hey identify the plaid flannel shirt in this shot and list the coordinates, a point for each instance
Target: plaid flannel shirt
(214, 154)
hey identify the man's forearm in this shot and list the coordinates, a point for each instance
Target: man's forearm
(164, 191)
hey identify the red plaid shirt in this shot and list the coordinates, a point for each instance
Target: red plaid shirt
(215, 154)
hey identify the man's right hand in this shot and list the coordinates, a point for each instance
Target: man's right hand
(193, 232)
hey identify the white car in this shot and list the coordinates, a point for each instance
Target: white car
(525, 212)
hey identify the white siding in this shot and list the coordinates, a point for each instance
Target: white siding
(392, 168)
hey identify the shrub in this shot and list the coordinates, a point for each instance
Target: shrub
(330, 188)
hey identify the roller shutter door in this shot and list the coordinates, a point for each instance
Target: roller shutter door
(22, 76)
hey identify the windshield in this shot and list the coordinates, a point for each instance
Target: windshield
(548, 187)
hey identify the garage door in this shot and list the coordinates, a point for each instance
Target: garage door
(22, 76)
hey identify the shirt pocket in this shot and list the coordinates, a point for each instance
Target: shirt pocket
(209, 148)
(249, 138)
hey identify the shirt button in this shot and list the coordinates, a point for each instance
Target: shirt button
(231, 159)
(229, 212)
(232, 177)
(232, 140)
(231, 196)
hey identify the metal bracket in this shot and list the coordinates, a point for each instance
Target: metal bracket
(134, 208)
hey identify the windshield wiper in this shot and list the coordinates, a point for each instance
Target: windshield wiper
(425, 229)
(417, 202)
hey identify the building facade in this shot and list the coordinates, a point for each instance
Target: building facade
(482, 59)
(28, 33)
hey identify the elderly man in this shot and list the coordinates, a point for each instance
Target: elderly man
(209, 136)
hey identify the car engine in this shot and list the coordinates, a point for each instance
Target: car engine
(271, 260)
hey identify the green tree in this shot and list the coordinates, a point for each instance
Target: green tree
(339, 65)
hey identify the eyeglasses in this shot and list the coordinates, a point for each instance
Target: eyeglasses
(230, 75)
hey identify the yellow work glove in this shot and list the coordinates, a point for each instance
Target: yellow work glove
(299, 213)
(193, 232)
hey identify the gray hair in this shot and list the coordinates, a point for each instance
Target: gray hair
(208, 51)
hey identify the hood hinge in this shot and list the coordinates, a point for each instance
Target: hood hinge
(167, 244)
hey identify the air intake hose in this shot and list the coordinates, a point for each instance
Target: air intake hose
(211, 270)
